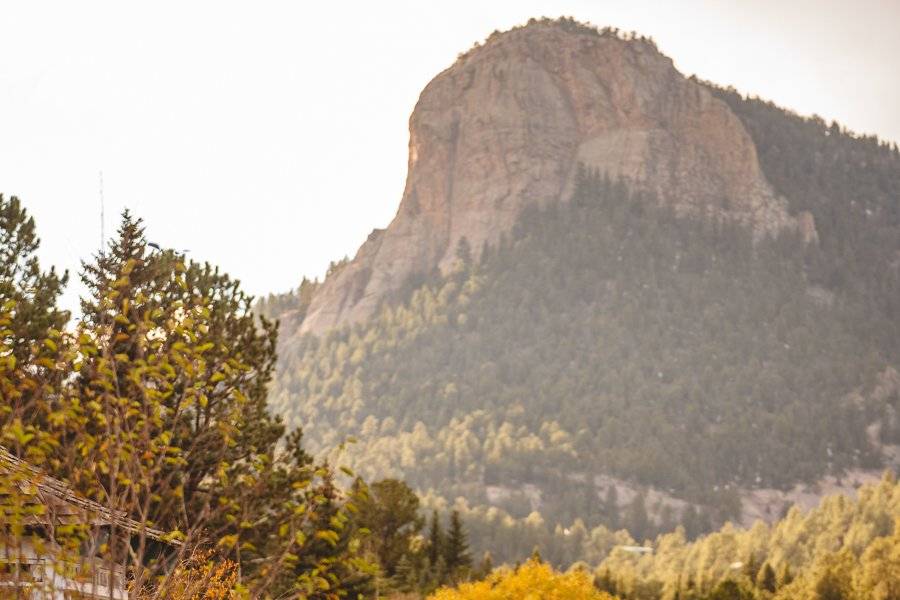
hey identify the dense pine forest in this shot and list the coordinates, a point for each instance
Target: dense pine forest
(842, 549)
(608, 336)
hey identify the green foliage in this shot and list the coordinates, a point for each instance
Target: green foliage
(390, 515)
(456, 550)
(607, 336)
(766, 579)
(22, 281)
(153, 409)
(842, 549)
(851, 185)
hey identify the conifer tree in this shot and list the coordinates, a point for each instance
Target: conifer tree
(456, 549)
(390, 513)
(751, 567)
(485, 566)
(604, 582)
(611, 507)
(464, 254)
(131, 282)
(435, 539)
(766, 579)
(34, 292)
(404, 578)
(147, 304)
(636, 520)
(786, 576)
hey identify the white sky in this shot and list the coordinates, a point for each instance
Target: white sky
(271, 137)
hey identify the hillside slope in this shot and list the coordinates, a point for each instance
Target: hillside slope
(510, 122)
(616, 358)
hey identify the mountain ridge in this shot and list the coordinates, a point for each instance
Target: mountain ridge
(698, 368)
(511, 122)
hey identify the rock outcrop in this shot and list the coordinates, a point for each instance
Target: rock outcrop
(509, 123)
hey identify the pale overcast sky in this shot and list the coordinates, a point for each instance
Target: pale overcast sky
(271, 137)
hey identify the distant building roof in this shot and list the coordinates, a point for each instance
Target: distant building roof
(67, 505)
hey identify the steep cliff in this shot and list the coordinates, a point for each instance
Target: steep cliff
(509, 123)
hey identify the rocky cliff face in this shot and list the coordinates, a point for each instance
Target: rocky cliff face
(510, 122)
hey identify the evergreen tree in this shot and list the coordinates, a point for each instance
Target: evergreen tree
(751, 567)
(456, 548)
(485, 567)
(131, 279)
(464, 253)
(390, 513)
(611, 507)
(604, 582)
(786, 576)
(435, 539)
(730, 590)
(148, 303)
(830, 587)
(637, 522)
(404, 578)
(29, 293)
(766, 579)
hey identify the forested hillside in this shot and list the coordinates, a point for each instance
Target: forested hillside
(843, 550)
(851, 185)
(608, 336)
(846, 549)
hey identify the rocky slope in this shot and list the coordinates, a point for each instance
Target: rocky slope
(510, 122)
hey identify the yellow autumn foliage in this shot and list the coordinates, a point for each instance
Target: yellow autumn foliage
(532, 581)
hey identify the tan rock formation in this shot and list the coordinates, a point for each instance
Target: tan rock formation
(509, 123)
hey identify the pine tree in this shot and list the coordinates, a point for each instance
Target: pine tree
(28, 298)
(636, 520)
(133, 280)
(404, 579)
(604, 582)
(390, 513)
(435, 539)
(786, 576)
(751, 567)
(485, 567)
(830, 587)
(766, 579)
(148, 302)
(22, 282)
(456, 548)
(611, 507)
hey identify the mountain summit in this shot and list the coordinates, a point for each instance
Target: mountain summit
(511, 121)
(684, 309)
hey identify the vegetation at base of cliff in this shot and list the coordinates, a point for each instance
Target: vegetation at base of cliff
(605, 335)
(608, 336)
(843, 549)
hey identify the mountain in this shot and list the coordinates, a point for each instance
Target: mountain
(611, 297)
(510, 122)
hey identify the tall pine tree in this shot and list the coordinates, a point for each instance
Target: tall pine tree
(456, 549)
(31, 292)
